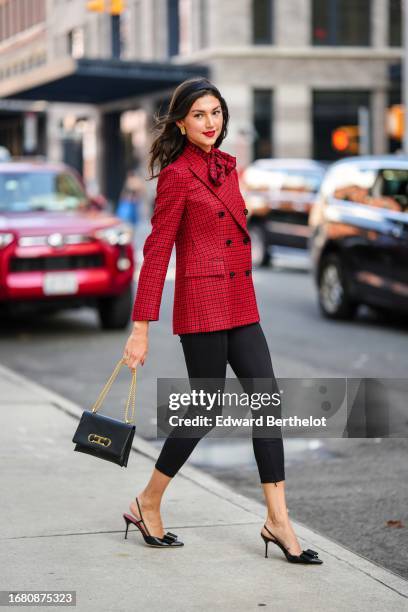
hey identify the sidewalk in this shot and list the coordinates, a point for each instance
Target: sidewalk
(62, 529)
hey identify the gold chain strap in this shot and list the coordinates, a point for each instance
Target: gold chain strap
(131, 396)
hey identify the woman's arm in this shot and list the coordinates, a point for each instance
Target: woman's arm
(167, 214)
(137, 345)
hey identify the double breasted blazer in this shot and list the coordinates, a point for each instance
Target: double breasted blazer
(208, 224)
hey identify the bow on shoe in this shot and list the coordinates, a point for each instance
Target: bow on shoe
(311, 553)
(220, 164)
(169, 537)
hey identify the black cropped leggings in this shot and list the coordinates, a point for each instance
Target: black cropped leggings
(206, 355)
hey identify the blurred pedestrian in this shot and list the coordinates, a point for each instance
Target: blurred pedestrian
(131, 199)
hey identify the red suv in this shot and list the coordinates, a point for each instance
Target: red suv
(60, 248)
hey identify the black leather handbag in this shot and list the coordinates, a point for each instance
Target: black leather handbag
(103, 436)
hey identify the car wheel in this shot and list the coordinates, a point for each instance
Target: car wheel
(259, 247)
(334, 298)
(115, 312)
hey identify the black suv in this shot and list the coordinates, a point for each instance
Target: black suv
(359, 236)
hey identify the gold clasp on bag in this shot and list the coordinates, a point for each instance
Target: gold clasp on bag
(132, 392)
(96, 439)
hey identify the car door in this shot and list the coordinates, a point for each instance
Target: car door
(391, 188)
(357, 221)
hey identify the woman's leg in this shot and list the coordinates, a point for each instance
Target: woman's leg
(249, 357)
(206, 358)
(149, 501)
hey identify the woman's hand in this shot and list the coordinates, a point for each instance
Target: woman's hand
(137, 345)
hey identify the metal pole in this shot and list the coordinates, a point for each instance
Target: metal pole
(115, 36)
(364, 130)
(404, 75)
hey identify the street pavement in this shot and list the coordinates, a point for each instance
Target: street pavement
(62, 529)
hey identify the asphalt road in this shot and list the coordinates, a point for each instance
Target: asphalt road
(345, 488)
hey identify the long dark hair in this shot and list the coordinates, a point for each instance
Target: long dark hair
(170, 142)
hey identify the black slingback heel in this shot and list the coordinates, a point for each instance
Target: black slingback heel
(167, 541)
(306, 556)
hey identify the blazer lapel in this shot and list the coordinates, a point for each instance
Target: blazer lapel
(226, 192)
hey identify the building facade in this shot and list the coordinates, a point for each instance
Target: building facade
(294, 70)
(291, 72)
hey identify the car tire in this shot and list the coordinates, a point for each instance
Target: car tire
(334, 298)
(259, 247)
(115, 312)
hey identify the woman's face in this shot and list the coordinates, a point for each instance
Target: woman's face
(203, 122)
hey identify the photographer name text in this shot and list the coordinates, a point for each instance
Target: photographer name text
(260, 421)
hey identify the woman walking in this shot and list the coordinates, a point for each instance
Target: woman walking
(199, 207)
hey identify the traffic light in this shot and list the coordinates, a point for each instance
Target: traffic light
(116, 7)
(96, 6)
(396, 121)
(345, 139)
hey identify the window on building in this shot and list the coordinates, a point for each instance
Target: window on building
(203, 15)
(76, 43)
(173, 27)
(19, 15)
(135, 30)
(333, 110)
(262, 122)
(341, 22)
(395, 23)
(262, 16)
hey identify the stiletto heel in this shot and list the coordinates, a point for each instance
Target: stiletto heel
(308, 556)
(128, 521)
(167, 541)
(265, 539)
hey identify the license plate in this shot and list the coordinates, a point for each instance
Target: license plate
(60, 283)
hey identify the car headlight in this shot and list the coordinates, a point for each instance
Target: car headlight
(116, 234)
(5, 239)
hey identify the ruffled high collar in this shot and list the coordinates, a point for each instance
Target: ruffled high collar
(219, 163)
(204, 154)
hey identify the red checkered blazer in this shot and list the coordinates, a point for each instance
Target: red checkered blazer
(213, 283)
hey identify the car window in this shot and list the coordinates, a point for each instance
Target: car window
(379, 188)
(391, 189)
(349, 182)
(40, 191)
(286, 179)
(308, 182)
